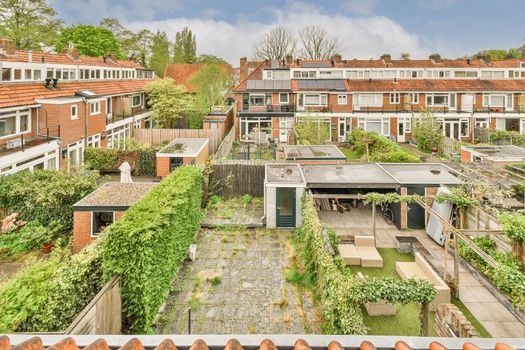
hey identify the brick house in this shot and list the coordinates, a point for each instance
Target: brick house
(52, 106)
(381, 95)
(103, 207)
(181, 151)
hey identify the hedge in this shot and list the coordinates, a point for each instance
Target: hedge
(341, 293)
(380, 148)
(141, 159)
(148, 245)
(47, 295)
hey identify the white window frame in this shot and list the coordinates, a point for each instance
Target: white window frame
(74, 116)
(414, 98)
(385, 124)
(18, 122)
(320, 98)
(94, 141)
(133, 102)
(487, 100)
(94, 108)
(378, 100)
(96, 235)
(432, 102)
(281, 102)
(342, 99)
(395, 98)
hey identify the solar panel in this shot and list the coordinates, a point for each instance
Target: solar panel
(268, 85)
(316, 65)
(321, 84)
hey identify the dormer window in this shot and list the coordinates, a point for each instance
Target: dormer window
(522, 64)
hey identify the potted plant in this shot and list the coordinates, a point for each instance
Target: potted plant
(47, 236)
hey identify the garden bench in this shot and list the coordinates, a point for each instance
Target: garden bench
(421, 269)
(363, 252)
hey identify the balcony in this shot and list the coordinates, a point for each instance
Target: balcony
(24, 142)
(122, 115)
(273, 109)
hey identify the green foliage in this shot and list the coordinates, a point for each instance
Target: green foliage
(210, 59)
(185, 47)
(168, 101)
(507, 276)
(30, 236)
(148, 245)
(457, 197)
(160, 52)
(513, 225)
(504, 137)
(392, 290)
(427, 133)
(311, 132)
(89, 40)
(211, 82)
(46, 196)
(378, 198)
(31, 24)
(495, 54)
(380, 148)
(47, 295)
(101, 158)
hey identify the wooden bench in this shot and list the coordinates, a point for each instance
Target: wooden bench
(363, 252)
(421, 269)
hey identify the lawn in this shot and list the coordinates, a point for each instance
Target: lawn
(406, 321)
(350, 154)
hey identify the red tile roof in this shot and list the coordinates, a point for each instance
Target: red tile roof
(469, 85)
(255, 75)
(35, 343)
(181, 73)
(23, 94)
(60, 58)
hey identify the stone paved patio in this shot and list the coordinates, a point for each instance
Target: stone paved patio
(237, 285)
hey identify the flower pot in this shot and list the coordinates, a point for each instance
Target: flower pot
(47, 247)
(434, 150)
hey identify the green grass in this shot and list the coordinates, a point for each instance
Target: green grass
(350, 154)
(406, 321)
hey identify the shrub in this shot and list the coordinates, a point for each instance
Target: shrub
(46, 196)
(31, 235)
(47, 295)
(380, 148)
(148, 245)
(141, 158)
(513, 225)
(312, 132)
(427, 133)
(101, 158)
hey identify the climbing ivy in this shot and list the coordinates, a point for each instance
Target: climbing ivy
(513, 225)
(378, 198)
(457, 197)
(148, 245)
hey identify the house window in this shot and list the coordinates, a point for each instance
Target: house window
(370, 100)
(14, 123)
(94, 141)
(315, 100)
(74, 111)
(380, 126)
(108, 105)
(342, 99)
(6, 74)
(137, 101)
(394, 98)
(268, 74)
(494, 100)
(437, 100)
(256, 100)
(414, 99)
(283, 97)
(28, 74)
(17, 74)
(94, 108)
(101, 220)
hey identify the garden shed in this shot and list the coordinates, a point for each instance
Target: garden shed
(334, 186)
(181, 151)
(314, 154)
(103, 207)
(502, 155)
(284, 186)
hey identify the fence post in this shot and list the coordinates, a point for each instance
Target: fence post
(189, 320)
(425, 331)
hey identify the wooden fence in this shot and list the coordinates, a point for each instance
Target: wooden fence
(156, 137)
(237, 178)
(226, 145)
(450, 146)
(103, 315)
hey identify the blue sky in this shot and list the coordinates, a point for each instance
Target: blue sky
(366, 28)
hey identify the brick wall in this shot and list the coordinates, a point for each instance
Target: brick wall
(465, 156)
(81, 229)
(450, 322)
(163, 166)
(404, 206)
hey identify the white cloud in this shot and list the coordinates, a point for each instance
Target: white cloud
(361, 37)
(360, 7)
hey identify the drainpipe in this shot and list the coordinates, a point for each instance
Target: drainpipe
(85, 123)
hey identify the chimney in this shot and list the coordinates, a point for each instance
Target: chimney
(337, 58)
(111, 57)
(243, 68)
(7, 47)
(386, 58)
(435, 58)
(298, 62)
(289, 59)
(71, 52)
(132, 58)
(30, 56)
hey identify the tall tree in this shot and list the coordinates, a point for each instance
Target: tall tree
(31, 24)
(160, 52)
(210, 59)
(317, 44)
(142, 46)
(275, 45)
(89, 40)
(185, 47)
(125, 37)
(168, 101)
(211, 84)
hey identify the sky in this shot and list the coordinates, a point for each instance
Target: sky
(365, 28)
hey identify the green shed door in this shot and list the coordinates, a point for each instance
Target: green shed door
(285, 207)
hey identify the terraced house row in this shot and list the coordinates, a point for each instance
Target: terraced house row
(381, 95)
(52, 106)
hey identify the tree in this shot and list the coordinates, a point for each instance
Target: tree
(427, 132)
(211, 83)
(89, 40)
(275, 45)
(185, 47)
(317, 44)
(210, 59)
(125, 37)
(31, 24)
(168, 101)
(160, 52)
(405, 56)
(142, 46)
(312, 132)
